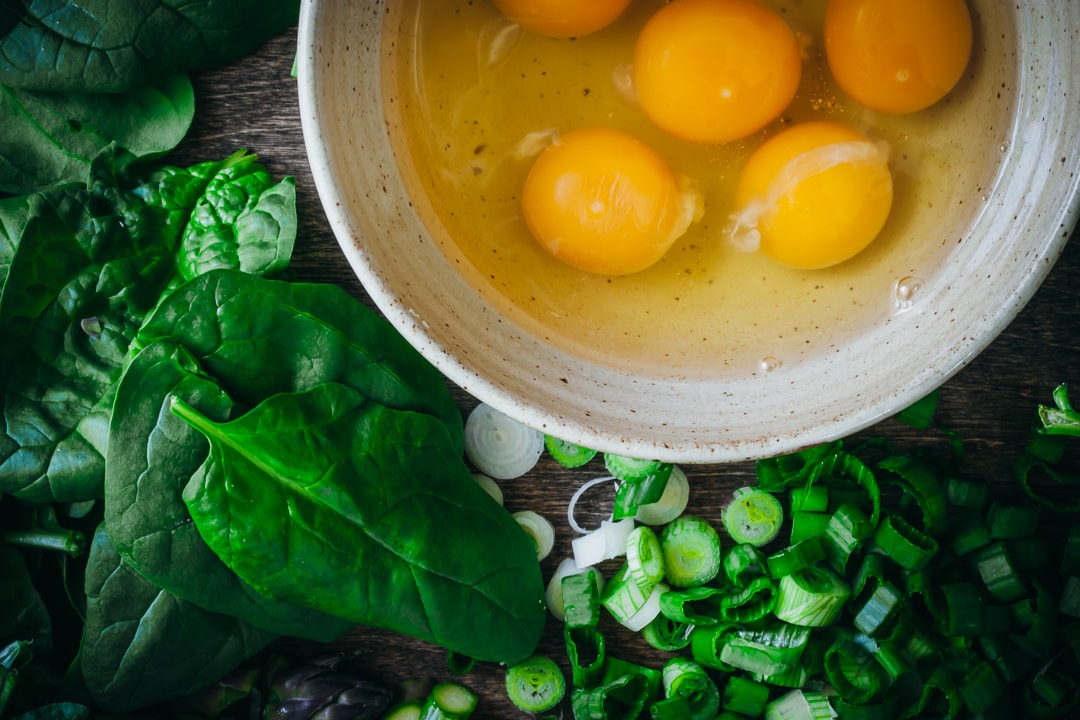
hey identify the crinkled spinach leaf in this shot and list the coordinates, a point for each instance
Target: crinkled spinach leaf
(48, 138)
(142, 645)
(151, 456)
(117, 45)
(331, 500)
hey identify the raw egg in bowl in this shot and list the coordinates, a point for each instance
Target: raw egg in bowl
(605, 226)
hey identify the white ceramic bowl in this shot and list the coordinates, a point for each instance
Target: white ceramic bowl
(991, 248)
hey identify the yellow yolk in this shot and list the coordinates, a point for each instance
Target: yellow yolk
(897, 56)
(602, 201)
(562, 18)
(712, 71)
(813, 196)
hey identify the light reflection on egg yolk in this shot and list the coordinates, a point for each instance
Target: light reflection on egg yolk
(713, 71)
(897, 56)
(602, 201)
(562, 18)
(813, 196)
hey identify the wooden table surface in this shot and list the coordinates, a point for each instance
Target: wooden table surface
(991, 402)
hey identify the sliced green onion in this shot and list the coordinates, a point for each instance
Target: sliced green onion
(800, 705)
(489, 485)
(632, 605)
(853, 671)
(553, 594)
(1062, 419)
(751, 603)
(814, 498)
(535, 684)
(744, 696)
(621, 697)
(879, 614)
(666, 634)
(752, 516)
(449, 700)
(1069, 602)
(962, 613)
(795, 469)
(808, 525)
(405, 710)
(644, 556)
(568, 454)
(940, 696)
(766, 651)
(672, 708)
(920, 481)
(796, 557)
(811, 596)
(974, 494)
(844, 467)
(920, 414)
(904, 544)
(540, 529)
(699, 606)
(1011, 522)
(499, 446)
(630, 495)
(617, 668)
(980, 688)
(671, 504)
(692, 553)
(586, 649)
(1038, 618)
(628, 468)
(996, 570)
(707, 642)
(848, 528)
(1070, 558)
(578, 494)
(684, 678)
(581, 599)
(744, 563)
(605, 543)
(1008, 660)
(969, 533)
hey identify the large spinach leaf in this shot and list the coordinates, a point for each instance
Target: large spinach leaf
(86, 266)
(47, 138)
(142, 645)
(151, 456)
(331, 500)
(260, 337)
(117, 45)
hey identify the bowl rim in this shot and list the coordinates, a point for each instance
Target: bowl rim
(986, 328)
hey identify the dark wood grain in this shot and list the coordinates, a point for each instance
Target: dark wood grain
(991, 402)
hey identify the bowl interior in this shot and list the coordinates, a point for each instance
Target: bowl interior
(962, 258)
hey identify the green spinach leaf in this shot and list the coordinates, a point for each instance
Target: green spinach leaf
(328, 499)
(151, 456)
(53, 137)
(142, 645)
(23, 615)
(117, 45)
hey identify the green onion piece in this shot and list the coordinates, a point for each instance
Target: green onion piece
(671, 504)
(904, 544)
(814, 498)
(853, 670)
(766, 651)
(796, 557)
(692, 553)
(1030, 465)
(752, 516)
(919, 481)
(628, 468)
(1069, 601)
(847, 529)
(459, 664)
(700, 606)
(622, 698)
(878, 616)
(1062, 419)
(535, 684)
(980, 688)
(870, 574)
(962, 612)
(707, 642)
(940, 696)
(749, 604)
(405, 710)
(1010, 522)
(617, 667)
(973, 494)
(1029, 554)
(632, 605)
(1038, 618)
(631, 495)
(644, 556)
(920, 414)
(795, 469)
(672, 708)
(540, 529)
(684, 678)
(744, 696)
(666, 634)
(996, 570)
(795, 676)
(744, 563)
(845, 469)
(812, 596)
(581, 599)
(449, 700)
(800, 705)
(553, 594)
(586, 649)
(807, 526)
(969, 533)
(1006, 657)
(568, 454)
(1070, 559)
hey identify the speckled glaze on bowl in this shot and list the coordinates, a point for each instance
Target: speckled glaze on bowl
(997, 256)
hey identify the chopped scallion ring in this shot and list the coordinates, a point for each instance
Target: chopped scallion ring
(604, 543)
(692, 553)
(812, 596)
(627, 468)
(671, 504)
(554, 596)
(568, 454)
(535, 684)
(752, 516)
(500, 446)
(644, 556)
(539, 529)
(450, 701)
(800, 705)
(682, 677)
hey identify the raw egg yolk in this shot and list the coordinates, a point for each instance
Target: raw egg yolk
(602, 201)
(562, 18)
(813, 196)
(897, 56)
(712, 71)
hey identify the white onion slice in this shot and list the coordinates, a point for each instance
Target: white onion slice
(606, 542)
(553, 593)
(540, 530)
(671, 504)
(648, 612)
(499, 446)
(490, 486)
(577, 496)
